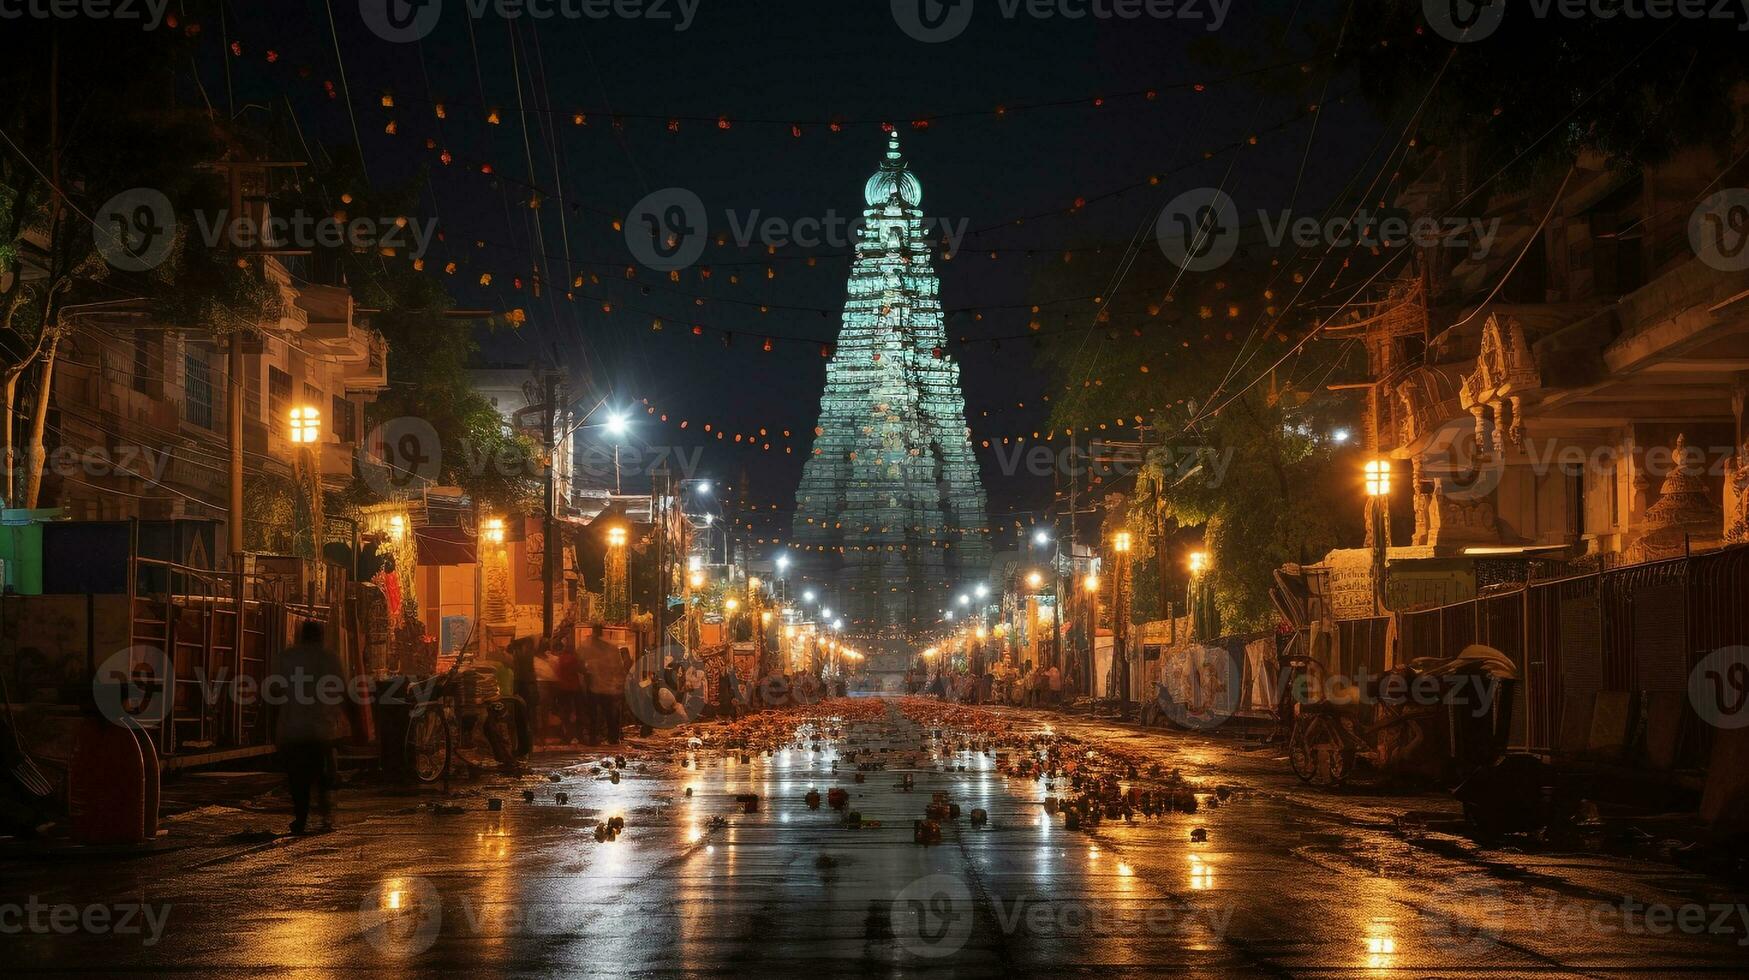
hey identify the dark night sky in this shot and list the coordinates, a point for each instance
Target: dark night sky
(781, 60)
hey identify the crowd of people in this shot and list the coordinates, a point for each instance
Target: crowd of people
(574, 696)
(1029, 685)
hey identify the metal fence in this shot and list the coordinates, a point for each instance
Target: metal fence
(1604, 656)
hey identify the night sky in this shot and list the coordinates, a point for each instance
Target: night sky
(764, 66)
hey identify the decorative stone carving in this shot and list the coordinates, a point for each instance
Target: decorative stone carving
(1684, 515)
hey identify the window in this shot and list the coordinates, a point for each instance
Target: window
(197, 391)
(278, 400)
(145, 373)
(345, 420)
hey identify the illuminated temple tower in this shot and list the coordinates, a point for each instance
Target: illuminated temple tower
(890, 507)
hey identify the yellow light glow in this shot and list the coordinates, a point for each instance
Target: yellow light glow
(1121, 541)
(616, 537)
(979, 632)
(1199, 562)
(696, 580)
(397, 527)
(1378, 477)
(492, 531)
(306, 424)
(1034, 579)
(765, 617)
(1091, 582)
(730, 604)
(753, 582)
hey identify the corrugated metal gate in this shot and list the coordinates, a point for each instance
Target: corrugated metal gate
(1622, 640)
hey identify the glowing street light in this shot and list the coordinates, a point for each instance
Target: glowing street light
(305, 424)
(397, 527)
(617, 423)
(1199, 562)
(616, 537)
(492, 531)
(704, 486)
(1041, 537)
(965, 600)
(696, 580)
(731, 604)
(1378, 477)
(808, 596)
(1091, 582)
(1121, 541)
(1034, 579)
(982, 590)
(782, 563)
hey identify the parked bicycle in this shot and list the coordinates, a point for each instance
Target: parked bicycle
(462, 714)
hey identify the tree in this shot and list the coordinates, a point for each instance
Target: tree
(92, 116)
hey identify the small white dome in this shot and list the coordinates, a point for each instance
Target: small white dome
(893, 178)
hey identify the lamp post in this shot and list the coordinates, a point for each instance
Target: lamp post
(1378, 525)
(1120, 618)
(616, 592)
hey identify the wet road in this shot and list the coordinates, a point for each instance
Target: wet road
(1288, 880)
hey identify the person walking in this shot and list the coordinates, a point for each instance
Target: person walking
(310, 686)
(605, 668)
(569, 681)
(522, 658)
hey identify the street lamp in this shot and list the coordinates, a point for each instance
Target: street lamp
(1041, 537)
(1091, 583)
(1199, 562)
(1378, 524)
(1034, 579)
(983, 590)
(492, 530)
(616, 537)
(808, 596)
(965, 600)
(305, 424)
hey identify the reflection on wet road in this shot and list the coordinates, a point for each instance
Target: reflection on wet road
(702, 881)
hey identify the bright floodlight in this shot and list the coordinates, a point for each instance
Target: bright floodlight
(1339, 437)
(965, 600)
(1041, 537)
(808, 596)
(983, 590)
(616, 423)
(704, 486)
(782, 562)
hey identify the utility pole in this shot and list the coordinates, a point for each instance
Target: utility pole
(549, 536)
